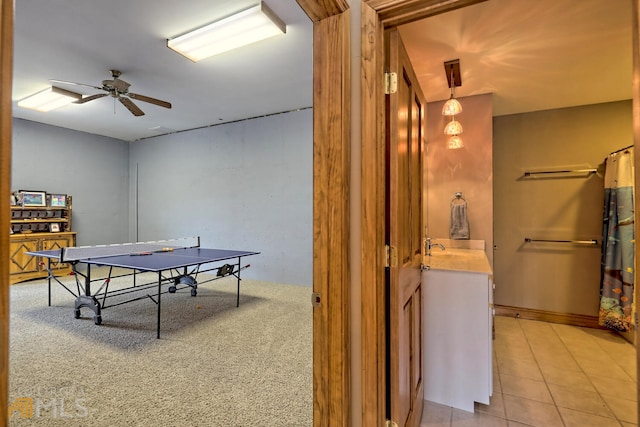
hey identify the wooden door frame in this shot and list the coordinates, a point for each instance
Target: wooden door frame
(635, 17)
(6, 81)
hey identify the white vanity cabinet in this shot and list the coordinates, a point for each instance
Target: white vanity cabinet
(458, 323)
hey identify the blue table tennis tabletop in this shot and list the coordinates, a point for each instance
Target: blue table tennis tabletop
(156, 261)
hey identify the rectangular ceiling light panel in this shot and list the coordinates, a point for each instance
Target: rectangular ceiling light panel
(49, 99)
(245, 27)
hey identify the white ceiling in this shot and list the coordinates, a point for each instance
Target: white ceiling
(80, 41)
(531, 55)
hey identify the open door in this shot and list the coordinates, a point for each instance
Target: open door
(405, 127)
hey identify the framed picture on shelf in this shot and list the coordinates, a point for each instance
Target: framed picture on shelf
(58, 200)
(34, 198)
(54, 228)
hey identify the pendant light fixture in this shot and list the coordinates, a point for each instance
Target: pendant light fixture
(455, 142)
(453, 127)
(453, 107)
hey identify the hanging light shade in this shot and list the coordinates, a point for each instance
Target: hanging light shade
(453, 127)
(451, 107)
(455, 142)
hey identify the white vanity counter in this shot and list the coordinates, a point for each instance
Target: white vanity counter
(457, 325)
(469, 260)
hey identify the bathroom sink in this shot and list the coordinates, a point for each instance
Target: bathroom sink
(449, 253)
(457, 259)
(443, 254)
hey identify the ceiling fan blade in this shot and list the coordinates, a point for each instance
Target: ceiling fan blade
(131, 106)
(150, 100)
(90, 98)
(75, 84)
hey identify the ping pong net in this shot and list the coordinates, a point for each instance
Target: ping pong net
(77, 253)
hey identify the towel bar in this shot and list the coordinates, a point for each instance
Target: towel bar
(579, 242)
(586, 171)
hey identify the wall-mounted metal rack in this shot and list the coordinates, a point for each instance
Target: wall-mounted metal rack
(588, 172)
(578, 242)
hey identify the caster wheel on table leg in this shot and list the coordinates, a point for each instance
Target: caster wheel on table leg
(97, 320)
(76, 313)
(194, 292)
(172, 289)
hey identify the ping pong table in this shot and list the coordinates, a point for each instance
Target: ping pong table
(177, 262)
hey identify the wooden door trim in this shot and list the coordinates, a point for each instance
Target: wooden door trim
(635, 17)
(373, 219)
(319, 10)
(393, 13)
(331, 219)
(6, 75)
(331, 207)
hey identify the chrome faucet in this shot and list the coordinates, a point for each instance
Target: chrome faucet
(429, 245)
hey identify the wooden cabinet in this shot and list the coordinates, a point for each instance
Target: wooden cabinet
(458, 320)
(38, 228)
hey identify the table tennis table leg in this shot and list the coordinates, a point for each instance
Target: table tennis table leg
(238, 279)
(159, 296)
(88, 300)
(49, 278)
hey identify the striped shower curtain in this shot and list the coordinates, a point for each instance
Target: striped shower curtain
(617, 285)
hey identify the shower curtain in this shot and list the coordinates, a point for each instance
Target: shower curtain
(617, 284)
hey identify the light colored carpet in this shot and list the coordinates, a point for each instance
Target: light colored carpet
(215, 364)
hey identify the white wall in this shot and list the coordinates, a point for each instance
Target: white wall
(467, 170)
(93, 169)
(554, 277)
(246, 185)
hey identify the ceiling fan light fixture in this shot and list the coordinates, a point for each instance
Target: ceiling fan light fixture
(49, 99)
(245, 27)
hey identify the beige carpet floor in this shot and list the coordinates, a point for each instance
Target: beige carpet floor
(215, 364)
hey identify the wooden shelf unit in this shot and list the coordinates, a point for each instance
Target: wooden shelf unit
(33, 229)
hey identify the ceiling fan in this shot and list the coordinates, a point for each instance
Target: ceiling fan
(118, 89)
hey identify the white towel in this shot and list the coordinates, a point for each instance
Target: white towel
(459, 228)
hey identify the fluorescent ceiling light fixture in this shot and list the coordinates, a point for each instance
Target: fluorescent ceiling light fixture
(49, 99)
(245, 27)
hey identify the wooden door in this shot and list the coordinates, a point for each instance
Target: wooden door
(405, 120)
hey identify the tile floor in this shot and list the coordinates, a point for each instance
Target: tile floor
(550, 375)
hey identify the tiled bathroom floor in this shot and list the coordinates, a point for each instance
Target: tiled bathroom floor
(548, 375)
